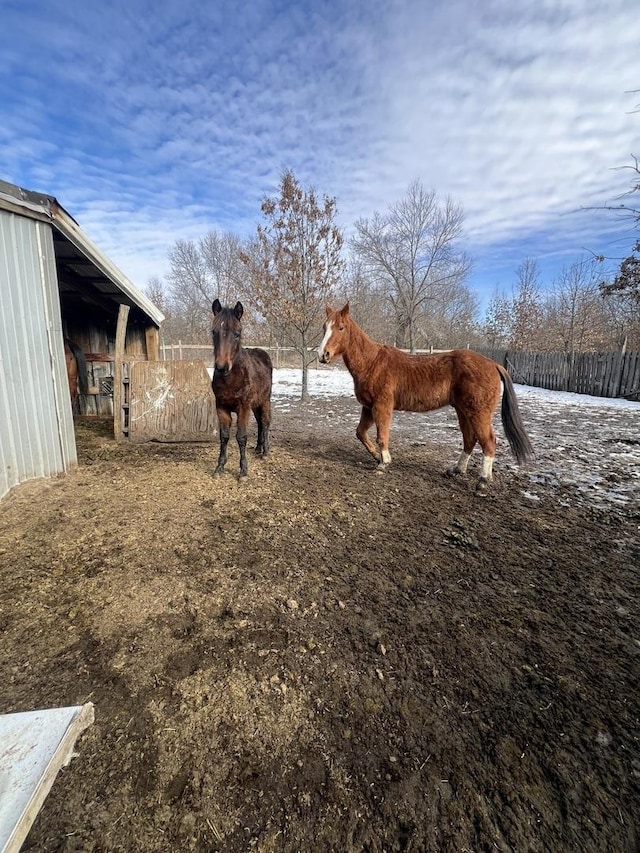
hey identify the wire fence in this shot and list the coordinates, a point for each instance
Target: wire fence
(608, 374)
(280, 356)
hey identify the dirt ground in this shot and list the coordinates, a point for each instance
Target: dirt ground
(324, 658)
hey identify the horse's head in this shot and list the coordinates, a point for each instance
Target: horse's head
(336, 334)
(226, 331)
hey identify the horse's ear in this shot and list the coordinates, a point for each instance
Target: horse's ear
(345, 310)
(328, 310)
(238, 310)
(216, 307)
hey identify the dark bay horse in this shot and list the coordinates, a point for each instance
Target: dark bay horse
(385, 378)
(241, 384)
(76, 373)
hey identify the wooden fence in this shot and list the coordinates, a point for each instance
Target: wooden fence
(609, 374)
(281, 356)
(602, 374)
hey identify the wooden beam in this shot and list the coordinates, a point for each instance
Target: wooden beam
(34, 745)
(119, 399)
(152, 336)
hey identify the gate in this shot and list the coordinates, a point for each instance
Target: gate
(167, 401)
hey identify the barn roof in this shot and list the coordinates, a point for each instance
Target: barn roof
(83, 268)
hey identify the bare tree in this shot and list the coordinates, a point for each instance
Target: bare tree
(157, 294)
(199, 272)
(627, 281)
(574, 319)
(226, 272)
(413, 250)
(368, 300)
(526, 307)
(573, 316)
(497, 321)
(623, 209)
(622, 320)
(294, 264)
(452, 320)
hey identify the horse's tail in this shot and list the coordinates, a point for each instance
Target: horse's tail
(512, 421)
(83, 373)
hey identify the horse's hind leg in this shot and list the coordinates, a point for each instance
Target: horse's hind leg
(468, 443)
(260, 442)
(224, 424)
(266, 427)
(487, 439)
(366, 422)
(263, 419)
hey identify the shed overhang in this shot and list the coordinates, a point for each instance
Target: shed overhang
(87, 269)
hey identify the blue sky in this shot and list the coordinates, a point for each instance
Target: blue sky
(153, 121)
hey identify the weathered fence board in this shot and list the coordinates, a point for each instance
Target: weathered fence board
(609, 374)
(280, 356)
(171, 401)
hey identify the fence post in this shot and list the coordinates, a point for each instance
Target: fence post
(617, 376)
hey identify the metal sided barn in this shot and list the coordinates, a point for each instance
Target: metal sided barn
(56, 284)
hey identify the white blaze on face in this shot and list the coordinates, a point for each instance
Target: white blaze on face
(325, 340)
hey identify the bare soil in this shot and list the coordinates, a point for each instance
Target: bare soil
(324, 658)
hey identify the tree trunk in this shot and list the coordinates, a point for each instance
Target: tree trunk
(401, 333)
(305, 396)
(571, 359)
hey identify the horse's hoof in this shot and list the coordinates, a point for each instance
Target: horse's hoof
(218, 473)
(482, 486)
(381, 468)
(453, 472)
(243, 476)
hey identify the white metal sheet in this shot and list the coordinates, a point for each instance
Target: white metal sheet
(34, 745)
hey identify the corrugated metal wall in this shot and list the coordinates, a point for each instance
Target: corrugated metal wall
(36, 423)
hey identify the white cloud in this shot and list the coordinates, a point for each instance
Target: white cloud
(153, 121)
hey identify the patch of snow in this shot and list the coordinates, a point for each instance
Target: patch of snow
(324, 383)
(589, 443)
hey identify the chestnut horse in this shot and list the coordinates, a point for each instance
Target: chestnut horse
(385, 378)
(76, 373)
(241, 384)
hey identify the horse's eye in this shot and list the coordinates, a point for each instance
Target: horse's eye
(341, 328)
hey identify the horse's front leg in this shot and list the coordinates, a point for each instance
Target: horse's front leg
(224, 424)
(382, 415)
(241, 436)
(366, 422)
